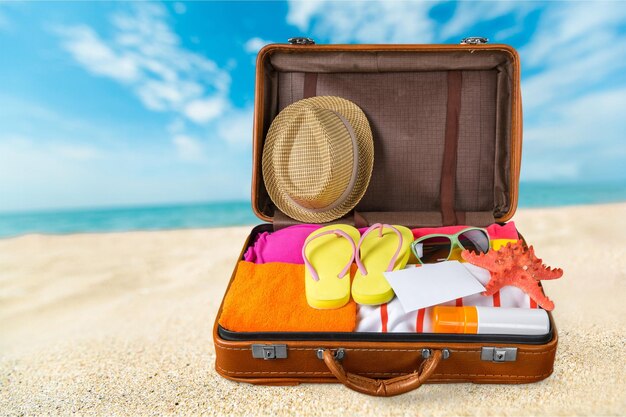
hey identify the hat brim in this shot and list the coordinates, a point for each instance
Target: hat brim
(365, 148)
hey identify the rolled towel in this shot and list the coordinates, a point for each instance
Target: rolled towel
(271, 298)
(392, 318)
(284, 245)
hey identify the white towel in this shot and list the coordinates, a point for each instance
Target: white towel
(391, 317)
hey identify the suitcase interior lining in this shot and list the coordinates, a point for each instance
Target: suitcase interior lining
(404, 96)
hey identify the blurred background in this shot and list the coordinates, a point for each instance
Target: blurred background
(134, 116)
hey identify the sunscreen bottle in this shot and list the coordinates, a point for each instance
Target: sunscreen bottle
(490, 320)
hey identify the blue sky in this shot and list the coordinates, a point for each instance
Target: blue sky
(105, 104)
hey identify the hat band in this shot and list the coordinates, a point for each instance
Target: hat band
(355, 166)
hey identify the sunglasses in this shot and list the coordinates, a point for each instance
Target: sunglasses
(440, 247)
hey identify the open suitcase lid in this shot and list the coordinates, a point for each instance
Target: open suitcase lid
(441, 155)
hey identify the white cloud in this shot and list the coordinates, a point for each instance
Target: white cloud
(201, 111)
(188, 148)
(591, 117)
(398, 21)
(236, 128)
(574, 29)
(468, 14)
(301, 12)
(573, 115)
(571, 77)
(145, 54)
(96, 56)
(50, 159)
(78, 152)
(5, 24)
(254, 45)
(576, 47)
(40, 170)
(581, 139)
(36, 173)
(23, 113)
(59, 150)
(368, 21)
(540, 170)
(176, 126)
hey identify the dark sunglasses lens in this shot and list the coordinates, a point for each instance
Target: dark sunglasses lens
(475, 241)
(433, 249)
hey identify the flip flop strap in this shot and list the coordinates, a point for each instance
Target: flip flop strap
(381, 227)
(338, 233)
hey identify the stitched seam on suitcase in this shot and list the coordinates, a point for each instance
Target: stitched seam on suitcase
(272, 372)
(368, 373)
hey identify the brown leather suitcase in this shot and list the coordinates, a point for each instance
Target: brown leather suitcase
(447, 126)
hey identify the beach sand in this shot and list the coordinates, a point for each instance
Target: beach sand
(120, 323)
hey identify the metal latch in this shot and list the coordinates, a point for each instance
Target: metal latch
(339, 353)
(301, 40)
(498, 354)
(474, 40)
(267, 352)
(427, 353)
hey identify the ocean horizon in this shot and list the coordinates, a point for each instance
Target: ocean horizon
(239, 213)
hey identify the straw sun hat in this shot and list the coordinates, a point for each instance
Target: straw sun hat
(317, 158)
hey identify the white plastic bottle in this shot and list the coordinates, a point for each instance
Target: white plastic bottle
(490, 320)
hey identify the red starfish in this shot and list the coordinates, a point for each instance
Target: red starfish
(515, 265)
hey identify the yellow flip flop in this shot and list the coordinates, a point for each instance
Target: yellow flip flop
(388, 250)
(328, 254)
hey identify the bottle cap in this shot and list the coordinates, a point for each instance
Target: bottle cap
(455, 319)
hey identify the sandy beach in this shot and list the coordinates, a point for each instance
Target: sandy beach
(120, 323)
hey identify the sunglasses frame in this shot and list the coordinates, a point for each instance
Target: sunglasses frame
(454, 241)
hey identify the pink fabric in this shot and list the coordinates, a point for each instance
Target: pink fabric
(495, 231)
(286, 244)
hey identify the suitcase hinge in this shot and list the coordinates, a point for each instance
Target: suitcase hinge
(474, 40)
(301, 40)
(268, 352)
(498, 354)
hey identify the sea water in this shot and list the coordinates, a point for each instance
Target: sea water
(186, 216)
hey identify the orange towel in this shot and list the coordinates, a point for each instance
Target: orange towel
(270, 298)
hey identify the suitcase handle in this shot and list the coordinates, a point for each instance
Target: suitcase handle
(383, 387)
